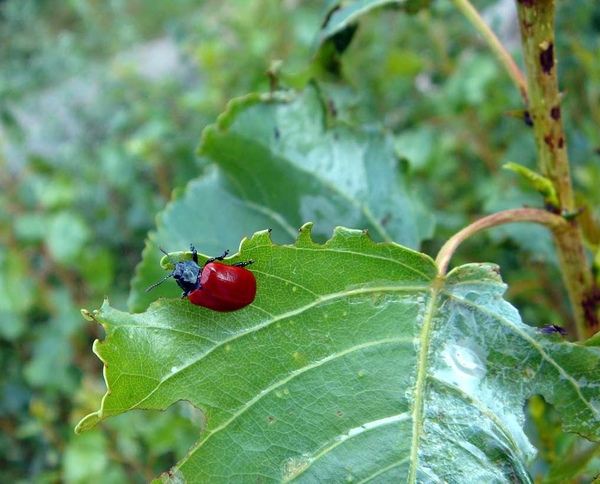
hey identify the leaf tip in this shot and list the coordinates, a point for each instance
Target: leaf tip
(88, 422)
(304, 234)
(262, 237)
(87, 315)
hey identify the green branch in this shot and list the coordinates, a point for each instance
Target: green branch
(542, 100)
(536, 19)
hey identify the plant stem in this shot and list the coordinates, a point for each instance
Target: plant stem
(537, 29)
(554, 222)
(536, 19)
(495, 45)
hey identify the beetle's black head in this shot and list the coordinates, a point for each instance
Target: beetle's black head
(186, 273)
(187, 276)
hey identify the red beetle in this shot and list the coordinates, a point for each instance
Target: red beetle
(215, 286)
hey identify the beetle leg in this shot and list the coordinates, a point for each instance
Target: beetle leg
(221, 257)
(243, 264)
(194, 253)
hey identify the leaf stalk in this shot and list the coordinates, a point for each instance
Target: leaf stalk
(554, 222)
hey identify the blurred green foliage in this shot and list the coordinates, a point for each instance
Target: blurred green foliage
(101, 109)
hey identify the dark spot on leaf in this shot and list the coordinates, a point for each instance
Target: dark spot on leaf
(527, 118)
(555, 113)
(528, 373)
(548, 141)
(271, 420)
(590, 304)
(561, 142)
(339, 413)
(547, 59)
(386, 220)
(550, 207)
(331, 108)
(276, 133)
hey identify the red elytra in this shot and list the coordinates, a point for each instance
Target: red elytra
(224, 288)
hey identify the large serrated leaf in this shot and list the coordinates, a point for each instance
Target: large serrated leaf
(277, 152)
(356, 362)
(278, 166)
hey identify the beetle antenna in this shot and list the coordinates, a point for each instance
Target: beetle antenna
(166, 277)
(167, 254)
(159, 282)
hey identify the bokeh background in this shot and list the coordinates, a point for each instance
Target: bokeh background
(102, 104)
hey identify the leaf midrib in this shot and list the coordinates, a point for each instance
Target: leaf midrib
(419, 392)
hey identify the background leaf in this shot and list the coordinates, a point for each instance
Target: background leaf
(343, 14)
(354, 362)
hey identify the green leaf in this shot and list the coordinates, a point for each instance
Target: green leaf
(538, 182)
(563, 457)
(342, 15)
(278, 153)
(51, 354)
(87, 459)
(67, 236)
(342, 18)
(356, 361)
(278, 166)
(17, 294)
